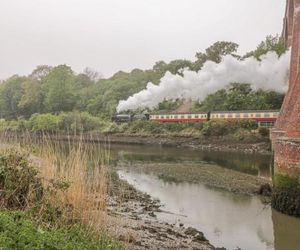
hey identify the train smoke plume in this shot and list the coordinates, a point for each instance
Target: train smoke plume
(271, 73)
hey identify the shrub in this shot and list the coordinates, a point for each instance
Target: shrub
(17, 231)
(19, 183)
(44, 122)
(77, 122)
(248, 124)
(218, 128)
(113, 128)
(264, 132)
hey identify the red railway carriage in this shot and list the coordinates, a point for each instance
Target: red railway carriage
(199, 117)
(264, 118)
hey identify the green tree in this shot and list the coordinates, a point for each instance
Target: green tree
(10, 95)
(32, 99)
(40, 72)
(220, 49)
(271, 43)
(213, 102)
(214, 53)
(60, 89)
(177, 66)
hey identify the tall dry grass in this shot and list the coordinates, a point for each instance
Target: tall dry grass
(74, 173)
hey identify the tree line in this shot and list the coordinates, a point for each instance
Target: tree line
(59, 89)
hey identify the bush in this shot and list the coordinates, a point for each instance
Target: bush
(218, 128)
(113, 128)
(264, 132)
(19, 183)
(44, 122)
(22, 228)
(150, 127)
(225, 127)
(78, 122)
(248, 124)
(17, 231)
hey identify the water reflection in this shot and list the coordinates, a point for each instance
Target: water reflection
(255, 164)
(286, 232)
(227, 219)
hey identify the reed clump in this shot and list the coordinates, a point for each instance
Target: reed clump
(63, 184)
(76, 175)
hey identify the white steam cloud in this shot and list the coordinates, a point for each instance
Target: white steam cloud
(271, 73)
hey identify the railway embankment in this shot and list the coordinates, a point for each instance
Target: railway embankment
(228, 143)
(204, 143)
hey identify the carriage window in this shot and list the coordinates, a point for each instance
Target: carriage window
(157, 117)
(222, 116)
(162, 117)
(196, 116)
(176, 116)
(189, 116)
(266, 115)
(230, 116)
(237, 115)
(257, 115)
(246, 115)
(167, 117)
(266, 124)
(182, 117)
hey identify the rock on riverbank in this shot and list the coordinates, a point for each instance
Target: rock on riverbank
(132, 218)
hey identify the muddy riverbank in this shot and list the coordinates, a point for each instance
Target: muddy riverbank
(140, 225)
(223, 144)
(210, 175)
(209, 143)
(132, 219)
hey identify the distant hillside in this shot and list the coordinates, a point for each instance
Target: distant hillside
(58, 89)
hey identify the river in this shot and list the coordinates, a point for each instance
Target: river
(228, 220)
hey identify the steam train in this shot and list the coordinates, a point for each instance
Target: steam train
(264, 118)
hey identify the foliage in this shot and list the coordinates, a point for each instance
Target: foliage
(59, 85)
(271, 43)
(19, 183)
(224, 127)
(285, 181)
(18, 231)
(44, 122)
(58, 89)
(169, 105)
(264, 132)
(240, 96)
(32, 216)
(78, 122)
(32, 99)
(214, 53)
(10, 96)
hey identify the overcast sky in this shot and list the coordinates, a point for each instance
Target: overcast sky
(113, 35)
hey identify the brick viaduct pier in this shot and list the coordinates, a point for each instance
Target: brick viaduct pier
(286, 135)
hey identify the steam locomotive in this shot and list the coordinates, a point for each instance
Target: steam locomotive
(264, 118)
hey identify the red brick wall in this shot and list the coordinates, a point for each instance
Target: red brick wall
(289, 119)
(287, 157)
